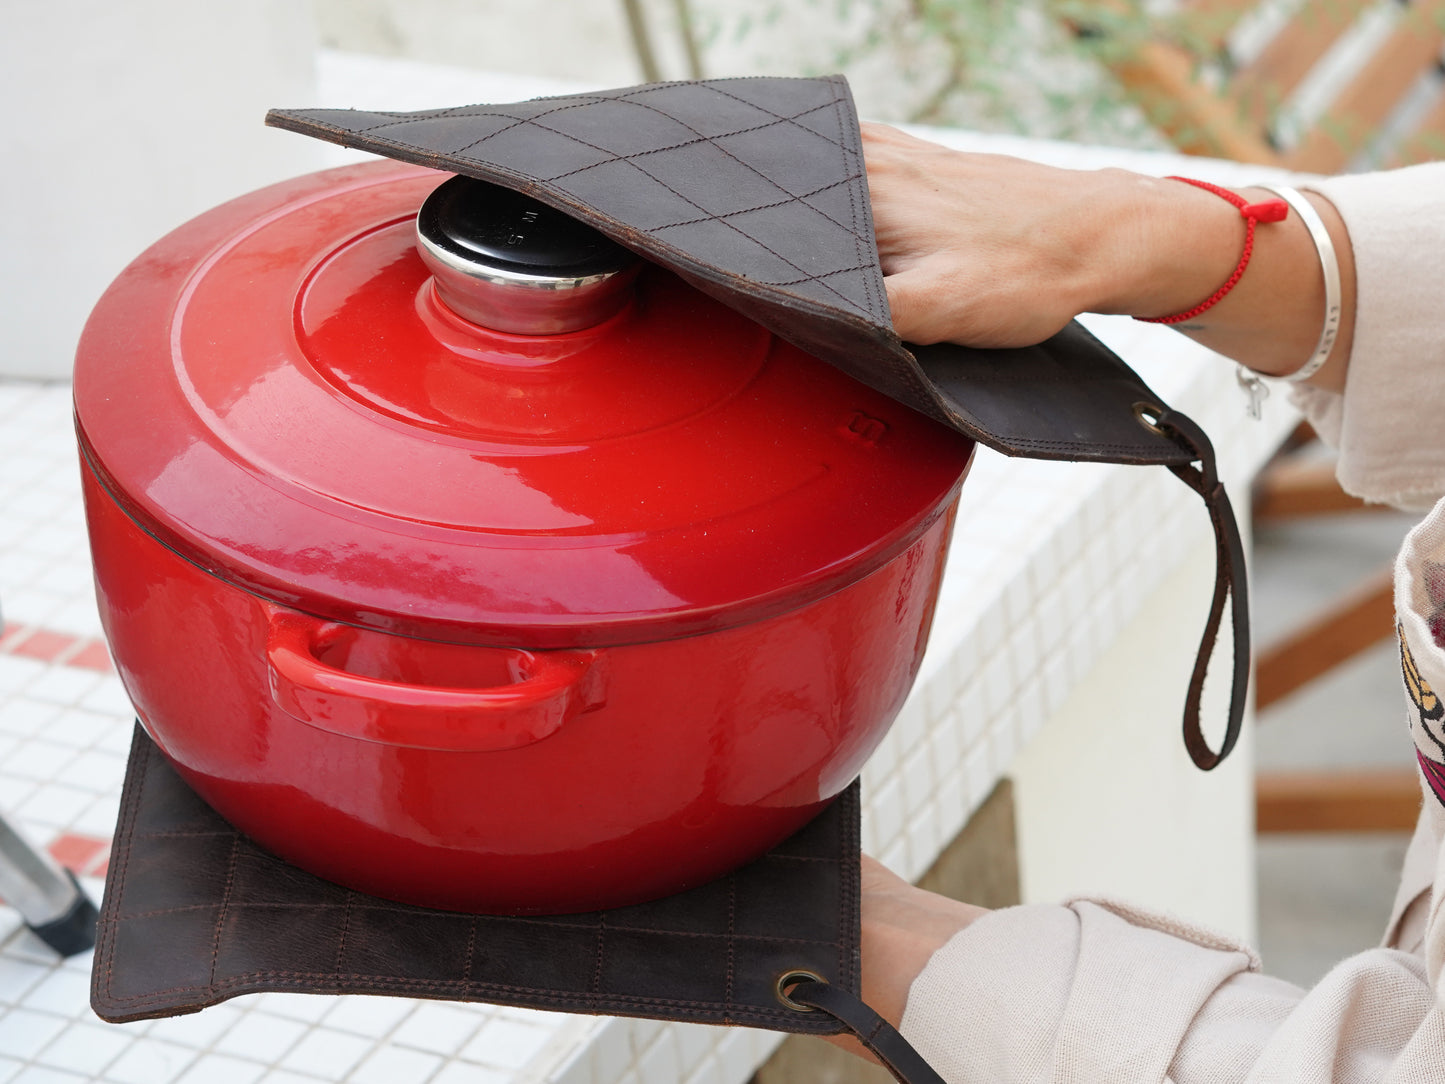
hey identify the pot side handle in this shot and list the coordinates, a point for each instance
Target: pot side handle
(558, 686)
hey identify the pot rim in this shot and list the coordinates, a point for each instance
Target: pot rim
(581, 633)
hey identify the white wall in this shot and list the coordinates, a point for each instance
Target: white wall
(125, 118)
(1108, 802)
(583, 40)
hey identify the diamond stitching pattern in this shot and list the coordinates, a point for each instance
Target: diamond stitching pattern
(242, 921)
(803, 198)
(755, 257)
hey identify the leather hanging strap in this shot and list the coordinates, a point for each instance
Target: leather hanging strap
(878, 1035)
(1230, 585)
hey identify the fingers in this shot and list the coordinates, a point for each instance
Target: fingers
(882, 138)
(920, 316)
(880, 135)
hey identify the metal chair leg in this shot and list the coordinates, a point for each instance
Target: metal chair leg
(48, 897)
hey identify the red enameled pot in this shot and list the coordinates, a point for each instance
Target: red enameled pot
(492, 570)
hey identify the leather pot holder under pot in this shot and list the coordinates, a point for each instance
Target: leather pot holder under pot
(195, 913)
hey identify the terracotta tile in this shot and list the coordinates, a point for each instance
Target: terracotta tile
(77, 852)
(93, 656)
(44, 645)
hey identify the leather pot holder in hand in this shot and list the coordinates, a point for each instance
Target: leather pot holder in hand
(753, 190)
(195, 913)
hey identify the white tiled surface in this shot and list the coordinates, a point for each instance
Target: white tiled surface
(1048, 562)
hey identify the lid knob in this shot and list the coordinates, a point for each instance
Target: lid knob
(510, 263)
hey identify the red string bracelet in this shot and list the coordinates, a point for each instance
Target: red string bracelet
(1270, 210)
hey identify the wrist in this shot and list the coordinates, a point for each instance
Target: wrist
(902, 927)
(1316, 229)
(1170, 247)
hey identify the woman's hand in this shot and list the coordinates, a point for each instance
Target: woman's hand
(987, 250)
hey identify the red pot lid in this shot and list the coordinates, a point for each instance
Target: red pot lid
(277, 392)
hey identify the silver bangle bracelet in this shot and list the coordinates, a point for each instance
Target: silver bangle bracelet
(1330, 265)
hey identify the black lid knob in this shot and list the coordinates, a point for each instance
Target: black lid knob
(509, 262)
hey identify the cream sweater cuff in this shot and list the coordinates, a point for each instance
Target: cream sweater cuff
(1392, 447)
(1087, 991)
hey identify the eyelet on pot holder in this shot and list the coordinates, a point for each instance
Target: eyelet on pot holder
(753, 190)
(195, 913)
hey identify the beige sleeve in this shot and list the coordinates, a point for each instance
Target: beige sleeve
(1092, 992)
(1077, 992)
(1388, 424)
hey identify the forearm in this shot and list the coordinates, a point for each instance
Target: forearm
(902, 928)
(1271, 321)
(994, 251)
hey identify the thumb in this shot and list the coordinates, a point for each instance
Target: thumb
(913, 304)
(928, 308)
(903, 307)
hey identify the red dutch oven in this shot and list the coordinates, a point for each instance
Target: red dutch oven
(462, 559)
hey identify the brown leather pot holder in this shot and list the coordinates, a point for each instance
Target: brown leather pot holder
(195, 913)
(754, 191)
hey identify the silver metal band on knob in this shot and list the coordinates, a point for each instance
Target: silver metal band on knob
(1330, 265)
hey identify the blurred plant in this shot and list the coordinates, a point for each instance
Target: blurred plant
(1317, 85)
(642, 38)
(944, 48)
(1167, 62)
(999, 64)
(1120, 71)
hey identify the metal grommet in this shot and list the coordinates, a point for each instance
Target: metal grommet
(1148, 415)
(790, 979)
